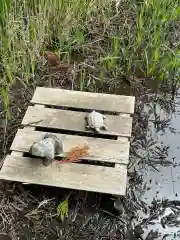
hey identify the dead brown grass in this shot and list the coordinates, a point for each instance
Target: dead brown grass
(75, 154)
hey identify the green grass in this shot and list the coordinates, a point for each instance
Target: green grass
(106, 43)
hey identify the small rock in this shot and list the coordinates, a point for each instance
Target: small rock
(138, 231)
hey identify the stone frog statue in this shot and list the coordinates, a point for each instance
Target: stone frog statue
(47, 148)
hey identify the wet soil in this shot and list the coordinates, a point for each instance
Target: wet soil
(152, 203)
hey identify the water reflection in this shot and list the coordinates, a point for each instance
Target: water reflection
(155, 159)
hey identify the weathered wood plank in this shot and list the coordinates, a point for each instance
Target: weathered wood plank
(84, 100)
(17, 153)
(99, 149)
(75, 121)
(69, 175)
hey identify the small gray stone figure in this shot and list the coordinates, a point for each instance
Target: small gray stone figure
(49, 146)
(95, 121)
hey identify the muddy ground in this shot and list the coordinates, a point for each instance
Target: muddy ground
(152, 204)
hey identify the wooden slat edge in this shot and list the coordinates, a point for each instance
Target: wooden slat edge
(75, 176)
(117, 165)
(84, 100)
(74, 120)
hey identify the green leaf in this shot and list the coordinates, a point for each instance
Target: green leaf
(4, 11)
(62, 209)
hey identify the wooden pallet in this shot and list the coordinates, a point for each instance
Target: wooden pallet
(63, 112)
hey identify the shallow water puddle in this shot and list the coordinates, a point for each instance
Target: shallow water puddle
(159, 169)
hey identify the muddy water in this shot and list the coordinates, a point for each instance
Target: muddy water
(155, 159)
